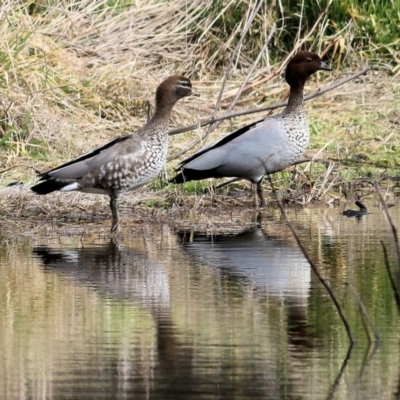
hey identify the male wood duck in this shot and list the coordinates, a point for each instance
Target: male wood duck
(263, 147)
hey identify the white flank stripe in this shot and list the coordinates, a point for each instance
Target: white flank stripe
(71, 186)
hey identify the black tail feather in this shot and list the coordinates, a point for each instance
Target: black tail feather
(187, 175)
(48, 186)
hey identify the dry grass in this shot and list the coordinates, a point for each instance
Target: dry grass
(79, 73)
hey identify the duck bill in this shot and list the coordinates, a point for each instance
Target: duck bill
(194, 93)
(325, 67)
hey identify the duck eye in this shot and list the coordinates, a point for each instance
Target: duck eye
(184, 83)
(309, 59)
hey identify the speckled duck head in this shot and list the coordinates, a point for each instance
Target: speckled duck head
(301, 66)
(169, 91)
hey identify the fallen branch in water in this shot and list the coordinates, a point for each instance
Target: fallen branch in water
(339, 376)
(365, 314)
(396, 241)
(392, 282)
(391, 223)
(317, 93)
(313, 266)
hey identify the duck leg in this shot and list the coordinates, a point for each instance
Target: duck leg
(260, 194)
(115, 213)
(254, 193)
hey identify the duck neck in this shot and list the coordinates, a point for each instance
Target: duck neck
(164, 105)
(161, 115)
(295, 98)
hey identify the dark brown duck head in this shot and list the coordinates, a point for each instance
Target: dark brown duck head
(301, 66)
(169, 91)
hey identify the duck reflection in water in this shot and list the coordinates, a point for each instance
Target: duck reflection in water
(269, 264)
(133, 275)
(275, 268)
(182, 365)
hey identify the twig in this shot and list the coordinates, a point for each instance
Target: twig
(303, 160)
(313, 266)
(239, 92)
(364, 313)
(327, 48)
(213, 125)
(216, 122)
(396, 240)
(350, 162)
(367, 359)
(391, 223)
(317, 93)
(19, 166)
(237, 47)
(227, 183)
(190, 146)
(392, 282)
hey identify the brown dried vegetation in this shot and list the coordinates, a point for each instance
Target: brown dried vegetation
(75, 74)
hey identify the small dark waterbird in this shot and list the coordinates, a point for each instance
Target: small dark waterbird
(125, 163)
(357, 213)
(265, 146)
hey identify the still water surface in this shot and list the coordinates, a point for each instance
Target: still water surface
(156, 316)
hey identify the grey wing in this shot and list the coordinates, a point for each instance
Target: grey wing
(264, 148)
(100, 157)
(210, 159)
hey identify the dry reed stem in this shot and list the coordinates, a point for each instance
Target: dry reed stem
(283, 64)
(235, 53)
(214, 125)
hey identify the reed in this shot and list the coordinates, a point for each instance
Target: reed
(75, 73)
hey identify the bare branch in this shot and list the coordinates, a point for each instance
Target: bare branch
(190, 146)
(317, 93)
(339, 376)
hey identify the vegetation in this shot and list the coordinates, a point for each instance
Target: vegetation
(360, 29)
(76, 73)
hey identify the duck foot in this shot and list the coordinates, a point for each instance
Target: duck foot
(115, 225)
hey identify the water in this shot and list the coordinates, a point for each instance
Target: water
(155, 316)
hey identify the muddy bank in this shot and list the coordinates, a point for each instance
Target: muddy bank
(25, 214)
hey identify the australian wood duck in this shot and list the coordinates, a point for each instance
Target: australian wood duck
(126, 162)
(263, 147)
